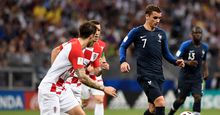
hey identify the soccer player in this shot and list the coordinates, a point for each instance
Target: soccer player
(53, 97)
(93, 59)
(86, 91)
(193, 52)
(151, 45)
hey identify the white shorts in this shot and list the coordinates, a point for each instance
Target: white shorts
(53, 104)
(86, 91)
(76, 90)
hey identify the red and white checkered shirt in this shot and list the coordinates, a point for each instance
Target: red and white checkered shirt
(69, 59)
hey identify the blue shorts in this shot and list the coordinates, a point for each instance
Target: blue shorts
(185, 88)
(152, 88)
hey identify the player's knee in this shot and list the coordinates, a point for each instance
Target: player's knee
(79, 113)
(181, 100)
(99, 99)
(159, 102)
(197, 98)
(76, 111)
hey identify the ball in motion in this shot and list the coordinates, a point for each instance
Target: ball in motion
(186, 113)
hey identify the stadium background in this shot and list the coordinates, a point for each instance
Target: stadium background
(29, 29)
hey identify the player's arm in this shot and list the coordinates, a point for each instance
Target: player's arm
(75, 57)
(104, 63)
(205, 64)
(85, 79)
(180, 53)
(96, 70)
(125, 67)
(205, 70)
(54, 53)
(167, 54)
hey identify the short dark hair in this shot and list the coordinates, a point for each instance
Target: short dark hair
(196, 29)
(87, 29)
(94, 22)
(152, 7)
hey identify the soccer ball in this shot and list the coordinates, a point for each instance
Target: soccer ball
(186, 113)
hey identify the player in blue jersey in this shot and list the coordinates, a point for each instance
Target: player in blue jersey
(193, 52)
(151, 45)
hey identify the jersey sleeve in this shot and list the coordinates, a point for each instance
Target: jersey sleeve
(62, 45)
(76, 56)
(165, 50)
(125, 44)
(181, 50)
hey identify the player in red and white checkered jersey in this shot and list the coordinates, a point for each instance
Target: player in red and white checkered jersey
(53, 97)
(92, 56)
(97, 94)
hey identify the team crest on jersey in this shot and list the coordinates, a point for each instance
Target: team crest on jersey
(80, 61)
(159, 37)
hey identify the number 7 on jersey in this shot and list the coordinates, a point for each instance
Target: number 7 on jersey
(144, 40)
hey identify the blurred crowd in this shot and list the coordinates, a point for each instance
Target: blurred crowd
(29, 29)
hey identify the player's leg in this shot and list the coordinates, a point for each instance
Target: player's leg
(177, 103)
(159, 103)
(69, 104)
(99, 98)
(145, 87)
(77, 110)
(99, 106)
(48, 103)
(85, 95)
(183, 91)
(197, 95)
(197, 104)
(76, 90)
(152, 89)
(150, 110)
(156, 96)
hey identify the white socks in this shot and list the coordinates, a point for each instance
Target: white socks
(99, 109)
(196, 113)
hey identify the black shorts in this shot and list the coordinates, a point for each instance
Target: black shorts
(152, 88)
(185, 88)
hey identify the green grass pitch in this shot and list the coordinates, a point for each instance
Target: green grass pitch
(112, 112)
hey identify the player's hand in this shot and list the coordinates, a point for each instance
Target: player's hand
(105, 65)
(125, 67)
(205, 75)
(110, 91)
(192, 63)
(180, 63)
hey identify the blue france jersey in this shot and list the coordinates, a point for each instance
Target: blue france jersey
(150, 46)
(188, 51)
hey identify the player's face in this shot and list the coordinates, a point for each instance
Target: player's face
(97, 34)
(154, 18)
(90, 40)
(197, 36)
